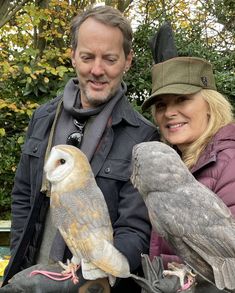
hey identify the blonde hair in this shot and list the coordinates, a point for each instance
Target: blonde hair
(221, 114)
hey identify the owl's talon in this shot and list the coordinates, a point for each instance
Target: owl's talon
(63, 266)
(183, 272)
(70, 269)
(75, 278)
(190, 281)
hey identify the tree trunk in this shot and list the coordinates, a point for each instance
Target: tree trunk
(39, 41)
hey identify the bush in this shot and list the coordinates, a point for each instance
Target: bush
(14, 120)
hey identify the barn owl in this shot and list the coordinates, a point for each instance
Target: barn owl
(192, 219)
(80, 213)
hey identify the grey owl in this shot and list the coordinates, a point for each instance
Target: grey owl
(192, 219)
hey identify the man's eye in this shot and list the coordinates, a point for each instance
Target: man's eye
(86, 58)
(110, 60)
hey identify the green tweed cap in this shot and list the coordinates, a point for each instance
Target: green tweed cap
(180, 76)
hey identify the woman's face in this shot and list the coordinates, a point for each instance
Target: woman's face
(181, 119)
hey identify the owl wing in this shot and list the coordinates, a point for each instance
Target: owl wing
(200, 228)
(85, 225)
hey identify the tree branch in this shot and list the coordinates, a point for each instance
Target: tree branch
(7, 12)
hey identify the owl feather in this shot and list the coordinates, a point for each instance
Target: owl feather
(192, 219)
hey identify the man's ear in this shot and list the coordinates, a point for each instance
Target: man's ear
(129, 60)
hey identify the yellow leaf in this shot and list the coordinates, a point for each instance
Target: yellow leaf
(32, 105)
(29, 112)
(3, 104)
(20, 139)
(33, 76)
(27, 70)
(39, 71)
(53, 71)
(46, 79)
(29, 79)
(61, 60)
(2, 132)
(3, 264)
(12, 106)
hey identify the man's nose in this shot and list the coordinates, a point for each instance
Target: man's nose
(97, 68)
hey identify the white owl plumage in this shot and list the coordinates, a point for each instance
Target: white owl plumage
(80, 213)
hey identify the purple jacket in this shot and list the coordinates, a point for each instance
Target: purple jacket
(216, 170)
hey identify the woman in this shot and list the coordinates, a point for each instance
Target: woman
(198, 122)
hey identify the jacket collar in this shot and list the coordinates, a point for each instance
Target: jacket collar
(123, 111)
(223, 139)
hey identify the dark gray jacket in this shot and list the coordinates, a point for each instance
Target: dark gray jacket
(111, 165)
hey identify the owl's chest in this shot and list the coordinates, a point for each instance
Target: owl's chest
(55, 200)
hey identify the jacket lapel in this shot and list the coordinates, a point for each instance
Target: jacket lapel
(102, 150)
(122, 112)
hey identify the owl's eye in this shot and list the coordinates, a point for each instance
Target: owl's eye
(62, 161)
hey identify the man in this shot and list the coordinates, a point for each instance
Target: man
(94, 115)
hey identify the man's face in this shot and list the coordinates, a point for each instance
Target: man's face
(99, 61)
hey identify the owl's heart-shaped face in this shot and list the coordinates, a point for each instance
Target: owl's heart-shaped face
(59, 165)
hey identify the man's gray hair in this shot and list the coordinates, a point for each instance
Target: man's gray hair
(108, 16)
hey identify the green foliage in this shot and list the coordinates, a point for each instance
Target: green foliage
(198, 34)
(223, 62)
(13, 123)
(139, 77)
(9, 148)
(35, 65)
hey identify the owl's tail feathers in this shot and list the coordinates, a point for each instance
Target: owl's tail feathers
(110, 260)
(92, 272)
(105, 261)
(224, 274)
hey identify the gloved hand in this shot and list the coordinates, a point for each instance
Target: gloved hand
(24, 283)
(154, 281)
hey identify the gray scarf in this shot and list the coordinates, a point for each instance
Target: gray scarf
(71, 111)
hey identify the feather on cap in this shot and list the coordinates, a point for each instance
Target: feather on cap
(176, 75)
